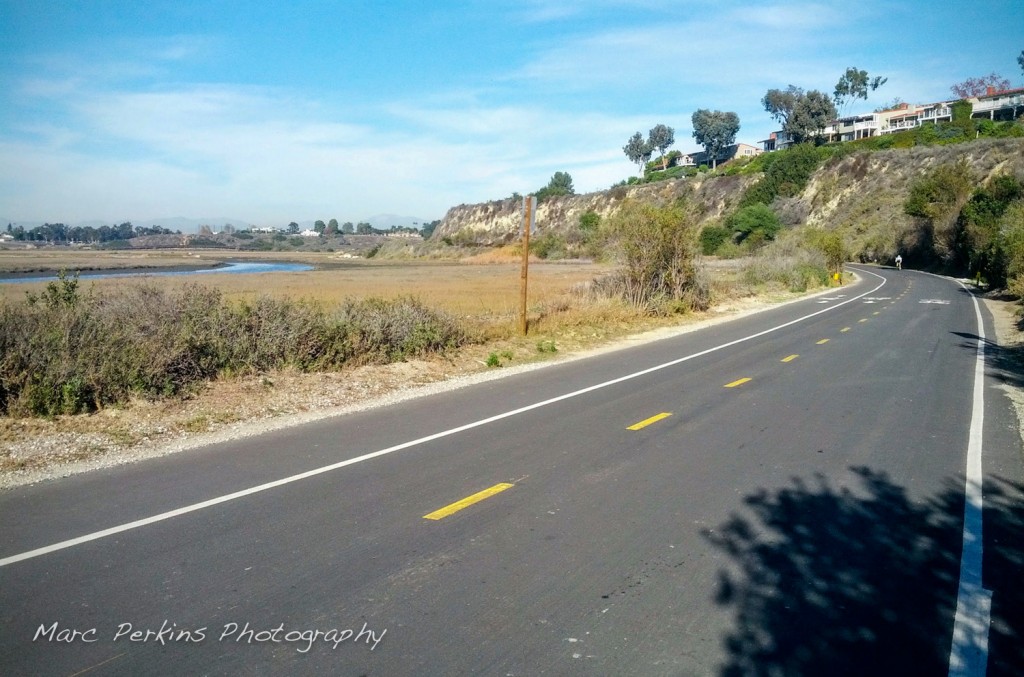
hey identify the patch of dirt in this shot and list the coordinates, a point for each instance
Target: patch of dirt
(1009, 353)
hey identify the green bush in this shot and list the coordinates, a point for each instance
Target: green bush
(548, 245)
(755, 222)
(984, 229)
(785, 174)
(589, 221)
(712, 238)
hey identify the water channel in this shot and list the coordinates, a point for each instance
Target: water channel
(227, 268)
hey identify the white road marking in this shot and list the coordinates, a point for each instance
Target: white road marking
(968, 655)
(938, 302)
(121, 528)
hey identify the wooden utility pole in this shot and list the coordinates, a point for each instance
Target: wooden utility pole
(529, 209)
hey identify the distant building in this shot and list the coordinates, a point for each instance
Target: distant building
(994, 105)
(733, 152)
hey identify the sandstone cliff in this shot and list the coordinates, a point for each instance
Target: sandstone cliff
(860, 194)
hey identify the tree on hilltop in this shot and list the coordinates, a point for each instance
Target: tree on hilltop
(715, 130)
(855, 84)
(660, 138)
(639, 151)
(780, 103)
(560, 184)
(811, 115)
(803, 114)
(972, 87)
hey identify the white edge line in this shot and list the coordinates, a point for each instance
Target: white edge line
(405, 445)
(968, 654)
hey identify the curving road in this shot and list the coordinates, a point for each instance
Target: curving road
(781, 494)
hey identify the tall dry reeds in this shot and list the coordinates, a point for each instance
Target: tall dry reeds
(65, 352)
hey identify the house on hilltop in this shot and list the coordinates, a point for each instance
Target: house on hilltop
(998, 105)
(994, 105)
(736, 150)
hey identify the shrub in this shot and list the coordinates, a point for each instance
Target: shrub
(786, 174)
(589, 221)
(658, 249)
(756, 222)
(712, 238)
(548, 245)
(65, 353)
(788, 265)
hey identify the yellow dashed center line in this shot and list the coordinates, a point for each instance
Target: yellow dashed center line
(648, 421)
(822, 342)
(468, 501)
(790, 358)
(875, 313)
(737, 382)
(864, 320)
(844, 330)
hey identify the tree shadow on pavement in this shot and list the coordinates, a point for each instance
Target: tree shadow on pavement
(863, 580)
(1004, 363)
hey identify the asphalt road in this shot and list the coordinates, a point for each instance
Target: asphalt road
(779, 494)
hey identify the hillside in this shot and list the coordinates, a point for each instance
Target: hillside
(859, 194)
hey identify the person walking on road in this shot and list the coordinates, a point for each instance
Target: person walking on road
(899, 262)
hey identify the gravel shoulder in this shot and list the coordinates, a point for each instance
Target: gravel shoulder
(38, 450)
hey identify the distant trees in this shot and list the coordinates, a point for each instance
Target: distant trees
(560, 184)
(715, 130)
(61, 233)
(427, 229)
(347, 228)
(293, 228)
(803, 114)
(1020, 61)
(639, 150)
(320, 226)
(855, 84)
(972, 87)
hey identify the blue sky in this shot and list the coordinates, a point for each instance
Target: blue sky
(271, 112)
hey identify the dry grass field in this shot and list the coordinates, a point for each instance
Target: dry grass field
(475, 290)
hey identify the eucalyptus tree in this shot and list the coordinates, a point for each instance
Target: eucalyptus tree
(715, 130)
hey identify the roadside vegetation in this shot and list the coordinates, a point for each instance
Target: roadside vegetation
(68, 352)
